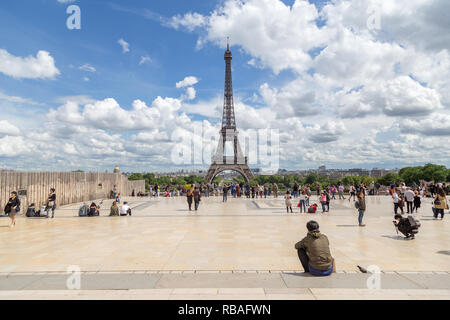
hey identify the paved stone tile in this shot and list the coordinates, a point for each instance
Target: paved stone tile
(425, 280)
(239, 291)
(221, 281)
(18, 282)
(295, 291)
(97, 282)
(388, 281)
(290, 297)
(195, 291)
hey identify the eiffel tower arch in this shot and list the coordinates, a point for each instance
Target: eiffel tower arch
(220, 161)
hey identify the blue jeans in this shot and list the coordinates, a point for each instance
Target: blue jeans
(360, 216)
(302, 205)
(225, 197)
(323, 206)
(320, 273)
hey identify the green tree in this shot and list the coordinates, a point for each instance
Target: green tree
(411, 174)
(136, 176)
(311, 178)
(389, 179)
(433, 172)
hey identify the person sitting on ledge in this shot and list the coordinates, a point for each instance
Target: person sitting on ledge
(314, 252)
(93, 210)
(83, 210)
(114, 212)
(125, 209)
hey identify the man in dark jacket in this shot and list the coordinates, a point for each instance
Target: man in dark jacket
(314, 252)
(404, 226)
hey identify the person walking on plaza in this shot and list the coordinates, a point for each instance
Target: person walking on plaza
(189, 196)
(333, 192)
(51, 203)
(12, 208)
(341, 191)
(352, 193)
(417, 201)
(197, 196)
(440, 203)
(409, 197)
(275, 190)
(114, 212)
(361, 205)
(288, 201)
(314, 252)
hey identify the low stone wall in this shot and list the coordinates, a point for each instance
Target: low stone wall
(71, 187)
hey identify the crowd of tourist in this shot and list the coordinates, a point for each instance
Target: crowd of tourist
(313, 250)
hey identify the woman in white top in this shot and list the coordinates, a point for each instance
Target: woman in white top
(287, 200)
(397, 200)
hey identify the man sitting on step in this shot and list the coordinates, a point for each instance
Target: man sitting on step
(314, 252)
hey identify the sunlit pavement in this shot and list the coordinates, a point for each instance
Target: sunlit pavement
(242, 248)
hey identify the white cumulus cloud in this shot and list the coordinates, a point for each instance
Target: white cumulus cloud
(40, 67)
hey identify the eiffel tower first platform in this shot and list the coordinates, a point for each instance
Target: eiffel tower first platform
(228, 133)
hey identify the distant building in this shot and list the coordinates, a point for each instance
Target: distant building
(377, 172)
(116, 169)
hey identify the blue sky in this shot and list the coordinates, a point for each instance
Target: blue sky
(173, 53)
(340, 94)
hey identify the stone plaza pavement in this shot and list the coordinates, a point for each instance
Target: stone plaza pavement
(242, 249)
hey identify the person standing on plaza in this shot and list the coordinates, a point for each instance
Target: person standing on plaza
(265, 191)
(397, 200)
(440, 203)
(308, 193)
(189, 196)
(12, 208)
(327, 198)
(295, 190)
(288, 201)
(225, 193)
(302, 202)
(409, 197)
(361, 203)
(197, 196)
(323, 201)
(275, 190)
(259, 191)
(314, 252)
(238, 190)
(51, 203)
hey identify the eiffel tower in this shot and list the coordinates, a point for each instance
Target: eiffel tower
(228, 133)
